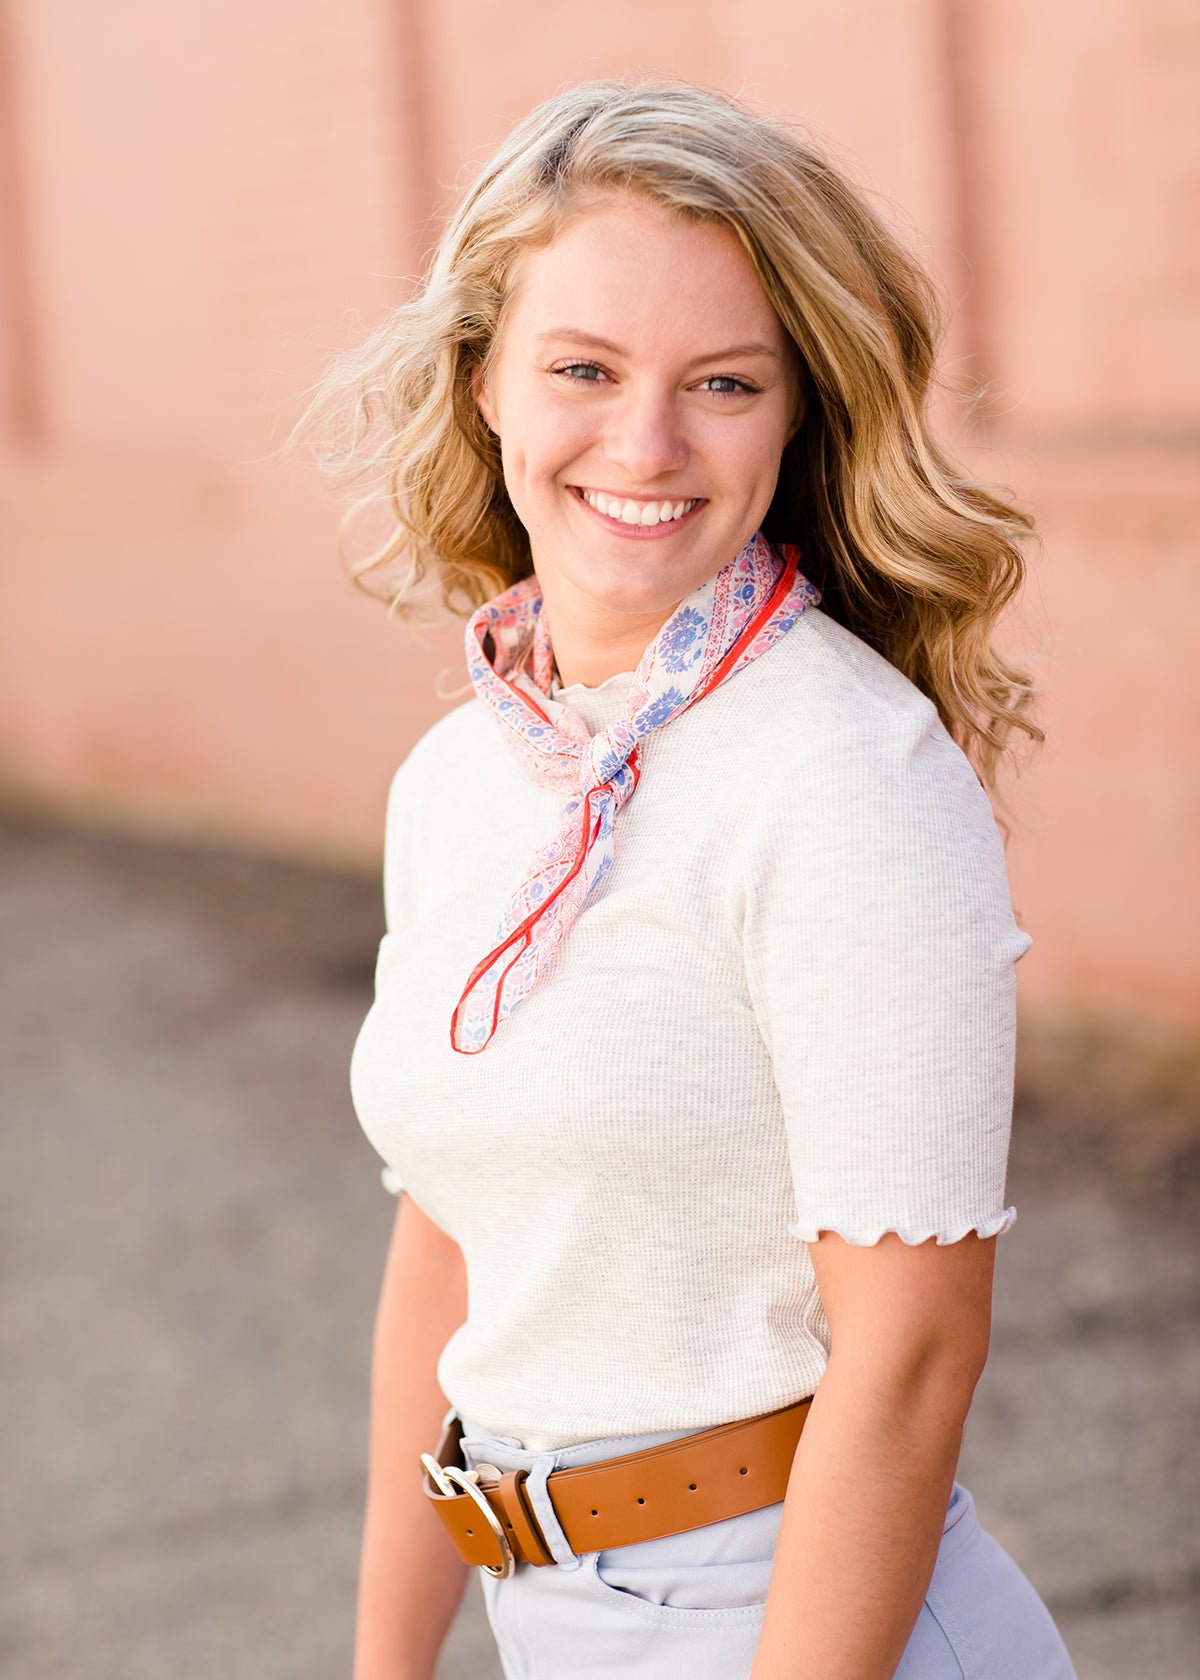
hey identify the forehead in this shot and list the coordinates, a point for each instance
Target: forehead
(625, 269)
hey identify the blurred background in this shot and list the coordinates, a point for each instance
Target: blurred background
(199, 717)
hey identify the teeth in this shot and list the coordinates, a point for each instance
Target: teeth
(637, 513)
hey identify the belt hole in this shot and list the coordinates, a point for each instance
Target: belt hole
(641, 1501)
(691, 1487)
(471, 1532)
(743, 1471)
(595, 1513)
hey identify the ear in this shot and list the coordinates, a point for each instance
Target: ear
(483, 401)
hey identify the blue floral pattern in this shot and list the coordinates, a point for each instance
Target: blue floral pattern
(662, 707)
(681, 640)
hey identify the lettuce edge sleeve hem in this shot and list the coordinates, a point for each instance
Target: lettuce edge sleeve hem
(391, 1181)
(913, 1235)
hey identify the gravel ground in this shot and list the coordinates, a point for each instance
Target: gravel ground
(194, 1231)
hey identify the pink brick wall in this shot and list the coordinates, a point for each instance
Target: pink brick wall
(199, 204)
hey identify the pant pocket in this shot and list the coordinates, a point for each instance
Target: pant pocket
(723, 1568)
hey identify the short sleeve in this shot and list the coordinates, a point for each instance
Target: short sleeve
(398, 898)
(399, 905)
(880, 946)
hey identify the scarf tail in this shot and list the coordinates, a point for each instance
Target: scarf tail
(526, 933)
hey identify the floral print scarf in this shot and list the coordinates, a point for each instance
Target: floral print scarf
(720, 627)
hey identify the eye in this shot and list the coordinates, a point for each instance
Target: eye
(725, 385)
(581, 373)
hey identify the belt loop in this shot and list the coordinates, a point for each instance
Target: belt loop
(538, 1495)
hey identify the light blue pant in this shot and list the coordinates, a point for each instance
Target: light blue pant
(690, 1605)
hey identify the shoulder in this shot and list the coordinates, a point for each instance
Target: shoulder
(857, 762)
(821, 681)
(446, 758)
(463, 731)
(446, 773)
(821, 703)
(459, 741)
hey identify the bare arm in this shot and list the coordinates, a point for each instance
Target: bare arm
(871, 1479)
(411, 1579)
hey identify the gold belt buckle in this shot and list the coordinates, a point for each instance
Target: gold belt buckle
(448, 1478)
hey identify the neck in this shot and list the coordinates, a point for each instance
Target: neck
(591, 644)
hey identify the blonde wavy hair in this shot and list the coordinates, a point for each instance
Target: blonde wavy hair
(910, 553)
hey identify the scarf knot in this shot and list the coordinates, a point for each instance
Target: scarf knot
(715, 631)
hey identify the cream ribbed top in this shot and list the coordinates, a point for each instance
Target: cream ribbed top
(789, 1008)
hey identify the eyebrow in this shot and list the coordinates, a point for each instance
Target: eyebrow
(579, 337)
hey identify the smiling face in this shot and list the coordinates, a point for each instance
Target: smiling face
(643, 391)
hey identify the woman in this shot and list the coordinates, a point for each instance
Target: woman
(692, 1040)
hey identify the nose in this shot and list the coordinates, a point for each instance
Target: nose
(646, 438)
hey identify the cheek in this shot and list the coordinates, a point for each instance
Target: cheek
(748, 461)
(532, 464)
(547, 450)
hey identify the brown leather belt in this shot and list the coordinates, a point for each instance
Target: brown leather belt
(698, 1479)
